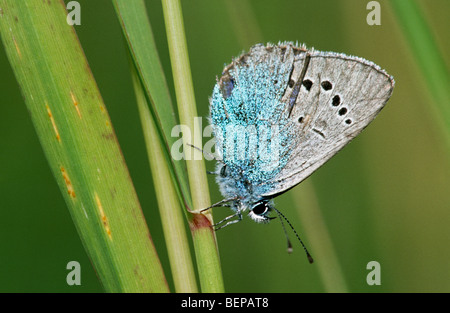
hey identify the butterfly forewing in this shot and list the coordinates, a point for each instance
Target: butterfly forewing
(338, 97)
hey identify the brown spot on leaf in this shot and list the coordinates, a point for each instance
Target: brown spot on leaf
(70, 189)
(108, 136)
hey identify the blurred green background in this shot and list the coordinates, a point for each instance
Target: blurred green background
(384, 197)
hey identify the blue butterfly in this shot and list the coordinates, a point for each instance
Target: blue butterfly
(278, 113)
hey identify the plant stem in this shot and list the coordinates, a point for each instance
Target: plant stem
(168, 202)
(139, 36)
(158, 120)
(204, 238)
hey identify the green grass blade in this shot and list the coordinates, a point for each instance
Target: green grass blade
(155, 97)
(245, 25)
(426, 52)
(168, 202)
(139, 36)
(204, 238)
(324, 253)
(79, 142)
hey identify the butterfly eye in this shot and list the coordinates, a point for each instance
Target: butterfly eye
(261, 208)
(223, 171)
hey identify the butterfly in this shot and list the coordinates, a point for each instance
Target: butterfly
(281, 111)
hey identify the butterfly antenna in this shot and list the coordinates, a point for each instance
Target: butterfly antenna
(210, 155)
(289, 245)
(308, 255)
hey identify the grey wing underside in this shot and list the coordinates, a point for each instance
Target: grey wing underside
(345, 94)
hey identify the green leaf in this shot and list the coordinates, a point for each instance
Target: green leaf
(139, 36)
(79, 142)
(168, 202)
(424, 49)
(153, 96)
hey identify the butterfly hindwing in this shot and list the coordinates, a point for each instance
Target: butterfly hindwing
(246, 114)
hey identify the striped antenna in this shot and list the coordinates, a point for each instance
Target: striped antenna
(289, 249)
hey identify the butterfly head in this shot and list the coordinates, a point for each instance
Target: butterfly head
(259, 211)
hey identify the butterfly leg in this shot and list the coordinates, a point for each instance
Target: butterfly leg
(220, 203)
(226, 219)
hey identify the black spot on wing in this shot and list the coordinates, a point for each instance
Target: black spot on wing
(319, 132)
